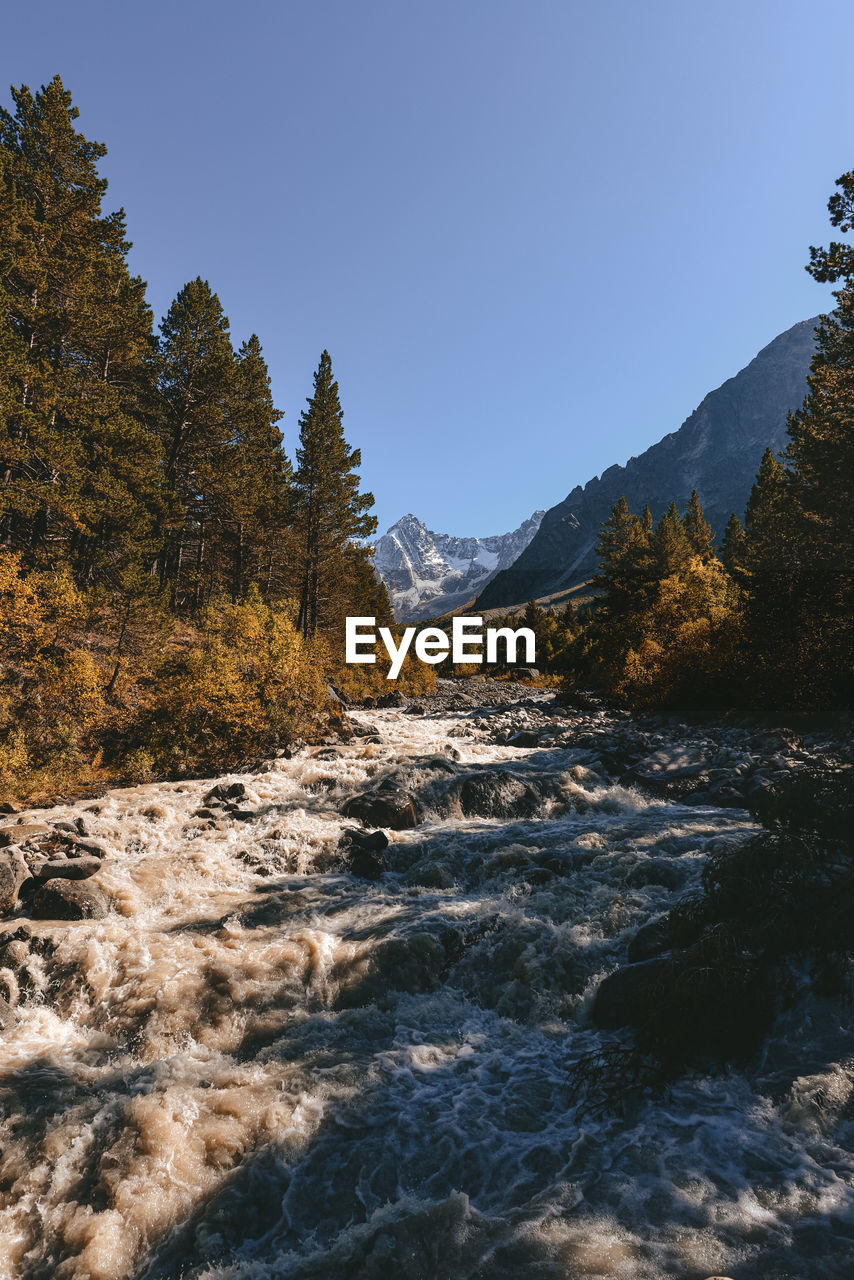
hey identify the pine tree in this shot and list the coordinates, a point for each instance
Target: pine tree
(673, 549)
(698, 529)
(197, 368)
(330, 511)
(820, 458)
(772, 601)
(260, 478)
(764, 518)
(80, 467)
(647, 524)
(733, 546)
(621, 540)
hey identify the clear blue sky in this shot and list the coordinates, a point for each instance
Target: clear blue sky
(532, 233)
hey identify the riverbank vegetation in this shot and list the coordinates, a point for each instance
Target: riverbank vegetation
(762, 618)
(172, 586)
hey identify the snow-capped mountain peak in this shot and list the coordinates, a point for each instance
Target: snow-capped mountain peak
(428, 573)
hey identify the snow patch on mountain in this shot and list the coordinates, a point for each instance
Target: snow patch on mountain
(428, 573)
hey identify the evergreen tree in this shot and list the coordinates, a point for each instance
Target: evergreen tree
(647, 524)
(820, 457)
(733, 546)
(672, 547)
(622, 543)
(79, 465)
(197, 368)
(698, 529)
(771, 593)
(330, 511)
(260, 478)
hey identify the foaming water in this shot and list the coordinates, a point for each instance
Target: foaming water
(259, 1066)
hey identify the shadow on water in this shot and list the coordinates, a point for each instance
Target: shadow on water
(453, 1011)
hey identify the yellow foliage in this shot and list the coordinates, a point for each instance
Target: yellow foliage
(684, 640)
(244, 682)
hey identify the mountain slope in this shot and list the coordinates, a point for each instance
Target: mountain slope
(716, 451)
(428, 573)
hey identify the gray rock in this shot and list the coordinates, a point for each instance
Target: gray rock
(14, 873)
(650, 940)
(69, 900)
(14, 955)
(671, 763)
(69, 868)
(497, 794)
(23, 832)
(391, 699)
(524, 738)
(364, 730)
(224, 792)
(391, 807)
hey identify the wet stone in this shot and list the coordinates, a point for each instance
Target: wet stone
(224, 792)
(650, 940)
(23, 832)
(365, 851)
(14, 873)
(495, 794)
(392, 807)
(69, 868)
(69, 900)
(364, 730)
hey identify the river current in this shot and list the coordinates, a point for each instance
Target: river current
(259, 1066)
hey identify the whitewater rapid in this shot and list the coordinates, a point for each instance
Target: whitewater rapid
(259, 1066)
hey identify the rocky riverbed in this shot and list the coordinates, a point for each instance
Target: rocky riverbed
(328, 1018)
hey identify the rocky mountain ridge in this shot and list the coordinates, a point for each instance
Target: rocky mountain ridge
(716, 451)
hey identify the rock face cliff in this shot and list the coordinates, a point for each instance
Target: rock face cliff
(428, 573)
(716, 451)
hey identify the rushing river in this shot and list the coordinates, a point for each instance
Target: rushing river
(260, 1066)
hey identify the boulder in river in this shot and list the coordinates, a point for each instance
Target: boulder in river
(524, 738)
(69, 900)
(224, 793)
(650, 940)
(391, 807)
(14, 873)
(368, 864)
(23, 832)
(495, 793)
(392, 699)
(353, 839)
(69, 868)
